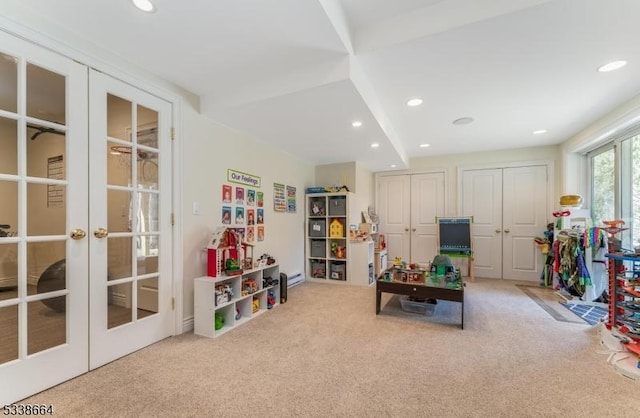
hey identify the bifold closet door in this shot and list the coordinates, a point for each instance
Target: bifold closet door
(43, 219)
(509, 209)
(407, 207)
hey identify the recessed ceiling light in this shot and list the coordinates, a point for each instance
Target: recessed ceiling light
(144, 5)
(540, 132)
(614, 65)
(375, 145)
(414, 102)
(393, 166)
(425, 145)
(463, 121)
(356, 124)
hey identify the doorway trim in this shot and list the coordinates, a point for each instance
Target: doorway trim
(140, 79)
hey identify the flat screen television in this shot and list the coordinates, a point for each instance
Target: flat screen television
(454, 235)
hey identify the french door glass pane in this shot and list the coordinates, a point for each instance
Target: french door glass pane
(119, 305)
(9, 327)
(46, 267)
(9, 147)
(46, 324)
(9, 77)
(46, 94)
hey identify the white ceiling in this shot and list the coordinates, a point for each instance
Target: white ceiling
(296, 73)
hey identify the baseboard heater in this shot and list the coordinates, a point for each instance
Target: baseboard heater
(295, 279)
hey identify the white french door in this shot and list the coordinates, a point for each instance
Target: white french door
(130, 219)
(43, 203)
(509, 208)
(407, 208)
(85, 219)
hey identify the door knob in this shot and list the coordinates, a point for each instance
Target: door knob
(406, 230)
(414, 230)
(498, 231)
(101, 233)
(78, 234)
(506, 231)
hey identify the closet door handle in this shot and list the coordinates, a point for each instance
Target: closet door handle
(406, 230)
(506, 231)
(498, 231)
(414, 230)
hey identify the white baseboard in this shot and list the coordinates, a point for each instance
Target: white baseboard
(187, 324)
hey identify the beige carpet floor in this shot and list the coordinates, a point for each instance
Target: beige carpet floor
(325, 353)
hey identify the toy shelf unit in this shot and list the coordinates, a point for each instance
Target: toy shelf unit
(624, 294)
(362, 257)
(327, 245)
(223, 303)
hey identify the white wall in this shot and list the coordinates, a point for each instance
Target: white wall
(209, 149)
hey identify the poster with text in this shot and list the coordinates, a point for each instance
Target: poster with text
(279, 198)
(291, 199)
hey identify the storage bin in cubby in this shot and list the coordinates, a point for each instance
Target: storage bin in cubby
(318, 269)
(317, 228)
(337, 206)
(338, 271)
(318, 248)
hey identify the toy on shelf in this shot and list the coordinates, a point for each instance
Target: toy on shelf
(249, 286)
(226, 252)
(223, 294)
(255, 304)
(336, 229)
(218, 321)
(271, 299)
(337, 250)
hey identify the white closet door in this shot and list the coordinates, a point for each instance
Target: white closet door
(394, 213)
(427, 203)
(43, 200)
(130, 219)
(509, 209)
(482, 199)
(524, 218)
(408, 205)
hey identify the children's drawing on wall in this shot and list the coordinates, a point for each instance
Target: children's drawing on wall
(260, 199)
(226, 215)
(251, 197)
(239, 216)
(226, 193)
(251, 218)
(239, 195)
(261, 233)
(250, 234)
(241, 232)
(260, 219)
